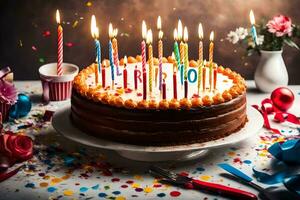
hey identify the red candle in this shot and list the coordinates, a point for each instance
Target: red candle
(175, 85)
(103, 76)
(164, 89)
(215, 78)
(185, 88)
(59, 45)
(135, 78)
(204, 78)
(144, 84)
(125, 73)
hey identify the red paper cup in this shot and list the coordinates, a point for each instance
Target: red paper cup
(4, 110)
(57, 88)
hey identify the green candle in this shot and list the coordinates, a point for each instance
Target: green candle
(176, 49)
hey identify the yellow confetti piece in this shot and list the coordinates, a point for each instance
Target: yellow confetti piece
(262, 154)
(44, 184)
(65, 177)
(148, 189)
(205, 177)
(231, 153)
(135, 185)
(88, 4)
(75, 24)
(138, 177)
(68, 192)
(120, 198)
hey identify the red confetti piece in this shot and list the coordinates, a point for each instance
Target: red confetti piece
(175, 193)
(46, 33)
(69, 44)
(129, 182)
(124, 186)
(115, 180)
(128, 90)
(139, 94)
(34, 48)
(237, 160)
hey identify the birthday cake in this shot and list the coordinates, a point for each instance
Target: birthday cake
(207, 104)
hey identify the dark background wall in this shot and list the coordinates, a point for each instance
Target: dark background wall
(25, 44)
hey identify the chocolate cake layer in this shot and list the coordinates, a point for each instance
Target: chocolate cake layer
(158, 127)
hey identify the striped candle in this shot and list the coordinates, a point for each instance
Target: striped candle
(111, 61)
(176, 49)
(160, 55)
(150, 57)
(116, 51)
(211, 55)
(59, 45)
(98, 54)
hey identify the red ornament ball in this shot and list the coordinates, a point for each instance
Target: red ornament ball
(282, 98)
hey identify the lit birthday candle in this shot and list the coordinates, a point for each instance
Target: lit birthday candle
(150, 58)
(186, 52)
(116, 51)
(143, 44)
(160, 49)
(186, 61)
(110, 52)
(59, 45)
(95, 35)
(176, 49)
(125, 73)
(179, 37)
(211, 55)
(200, 60)
(253, 29)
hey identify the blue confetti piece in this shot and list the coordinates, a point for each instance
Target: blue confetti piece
(116, 192)
(102, 195)
(161, 195)
(247, 162)
(51, 189)
(200, 169)
(95, 187)
(30, 185)
(83, 189)
(68, 160)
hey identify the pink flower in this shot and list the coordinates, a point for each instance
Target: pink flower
(280, 25)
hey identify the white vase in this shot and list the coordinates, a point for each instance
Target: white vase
(271, 71)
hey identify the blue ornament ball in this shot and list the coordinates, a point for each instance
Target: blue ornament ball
(21, 108)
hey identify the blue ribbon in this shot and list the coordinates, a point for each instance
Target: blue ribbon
(287, 152)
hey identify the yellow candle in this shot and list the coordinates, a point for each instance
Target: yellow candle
(179, 37)
(150, 54)
(186, 52)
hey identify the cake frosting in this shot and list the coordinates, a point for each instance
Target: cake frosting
(123, 115)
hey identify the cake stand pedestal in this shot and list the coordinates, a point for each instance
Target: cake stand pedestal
(63, 125)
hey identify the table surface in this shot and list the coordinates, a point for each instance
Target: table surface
(62, 169)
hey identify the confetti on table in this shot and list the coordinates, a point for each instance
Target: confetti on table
(68, 192)
(46, 33)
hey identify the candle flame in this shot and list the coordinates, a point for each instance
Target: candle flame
(144, 30)
(252, 18)
(125, 60)
(211, 37)
(159, 23)
(57, 17)
(179, 30)
(175, 34)
(94, 28)
(185, 34)
(200, 31)
(110, 30)
(160, 34)
(115, 32)
(149, 36)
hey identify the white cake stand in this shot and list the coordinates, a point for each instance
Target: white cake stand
(62, 124)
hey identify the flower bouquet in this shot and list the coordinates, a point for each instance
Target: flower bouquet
(271, 36)
(268, 39)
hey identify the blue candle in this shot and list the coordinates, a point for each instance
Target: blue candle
(111, 60)
(181, 74)
(253, 29)
(98, 54)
